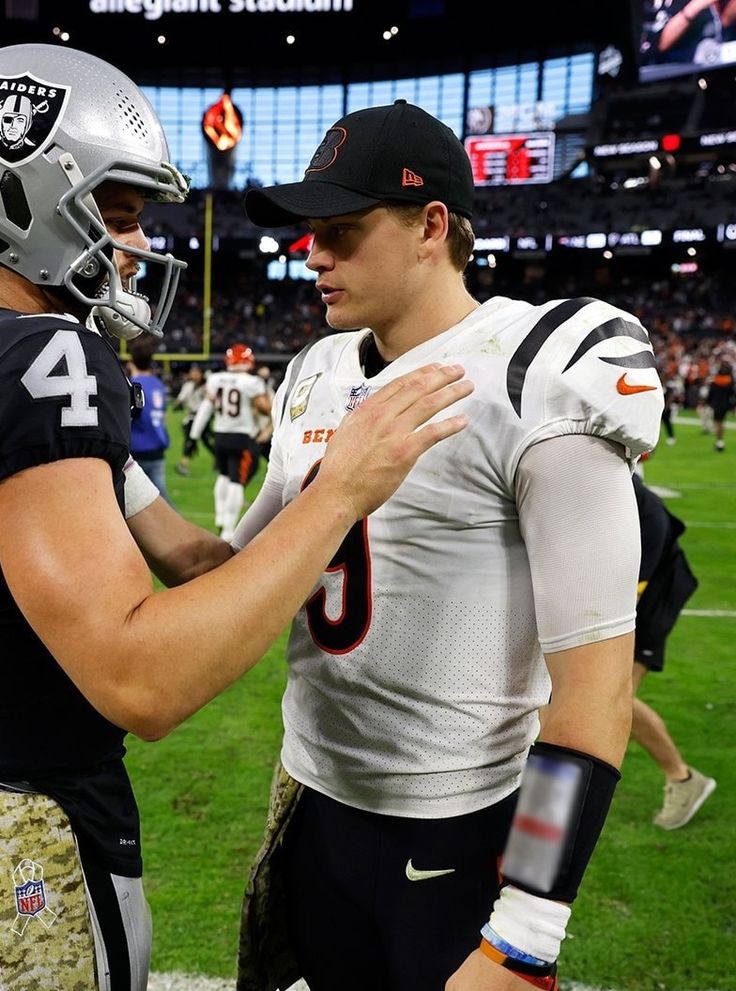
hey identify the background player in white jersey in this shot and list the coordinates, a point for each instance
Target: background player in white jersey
(190, 398)
(235, 398)
(416, 667)
(90, 652)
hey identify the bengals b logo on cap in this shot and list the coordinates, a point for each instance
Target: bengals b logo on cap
(326, 153)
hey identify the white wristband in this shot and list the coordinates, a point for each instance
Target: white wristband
(534, 925)
(139, 489)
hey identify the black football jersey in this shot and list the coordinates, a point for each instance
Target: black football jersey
(63, 394)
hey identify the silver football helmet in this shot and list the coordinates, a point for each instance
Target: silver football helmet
(68, 122)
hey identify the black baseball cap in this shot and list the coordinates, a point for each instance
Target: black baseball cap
(398, 153)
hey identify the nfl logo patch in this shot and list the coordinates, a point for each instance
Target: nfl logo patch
(358, 395)
(30, 898)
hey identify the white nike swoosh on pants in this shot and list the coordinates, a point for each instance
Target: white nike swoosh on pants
(415, 875)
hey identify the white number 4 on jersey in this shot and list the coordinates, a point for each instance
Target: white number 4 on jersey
(77, 384)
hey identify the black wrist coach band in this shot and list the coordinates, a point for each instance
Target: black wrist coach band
(563, 802)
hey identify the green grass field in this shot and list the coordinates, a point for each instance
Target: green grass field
(657, 911)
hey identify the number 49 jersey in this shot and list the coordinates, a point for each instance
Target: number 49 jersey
(415, 668)
(64, 395)
(232, 395)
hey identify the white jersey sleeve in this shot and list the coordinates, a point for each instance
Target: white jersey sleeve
(578, 517)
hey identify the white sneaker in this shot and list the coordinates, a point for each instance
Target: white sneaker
(682, 799)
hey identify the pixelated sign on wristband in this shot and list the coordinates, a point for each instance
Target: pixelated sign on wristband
(549, 797)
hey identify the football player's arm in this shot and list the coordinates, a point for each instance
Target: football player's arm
(146, 660)
(680, 22)
(201, 417)
(175, 549)
(578, 517)
(262, 404)
(728, 14)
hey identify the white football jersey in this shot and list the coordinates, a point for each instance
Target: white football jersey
(232, 394)
(415, 669)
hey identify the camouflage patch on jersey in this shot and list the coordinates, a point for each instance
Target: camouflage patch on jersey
(265, 958)
(45, 930)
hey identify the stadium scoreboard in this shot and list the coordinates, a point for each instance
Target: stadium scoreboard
(510, 159)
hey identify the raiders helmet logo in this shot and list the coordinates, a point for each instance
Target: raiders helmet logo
(30, 112)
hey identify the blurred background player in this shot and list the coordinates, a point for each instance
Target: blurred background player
(665, 584)
(189, 398)
(236, 397)
(149, 435)
(672, 398)
(721, 399)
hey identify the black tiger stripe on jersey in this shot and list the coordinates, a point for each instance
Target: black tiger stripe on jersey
(529, 347)
(618, 327)
(642, 359)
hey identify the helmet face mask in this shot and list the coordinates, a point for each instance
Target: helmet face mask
(89, 124)
(240, 357)
(124, 312)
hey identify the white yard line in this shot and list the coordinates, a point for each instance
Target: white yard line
(193, 982)
(176, 981)
(722, 613)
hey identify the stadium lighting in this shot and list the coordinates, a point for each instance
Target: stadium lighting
(268, 245)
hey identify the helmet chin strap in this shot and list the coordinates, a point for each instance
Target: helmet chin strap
(130, 304)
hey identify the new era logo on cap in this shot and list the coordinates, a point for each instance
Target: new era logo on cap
(397, 153)
(409, 178)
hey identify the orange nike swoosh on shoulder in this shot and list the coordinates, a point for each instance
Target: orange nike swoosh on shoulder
(625, 389)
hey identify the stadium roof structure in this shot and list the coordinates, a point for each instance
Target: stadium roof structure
(246, 39)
